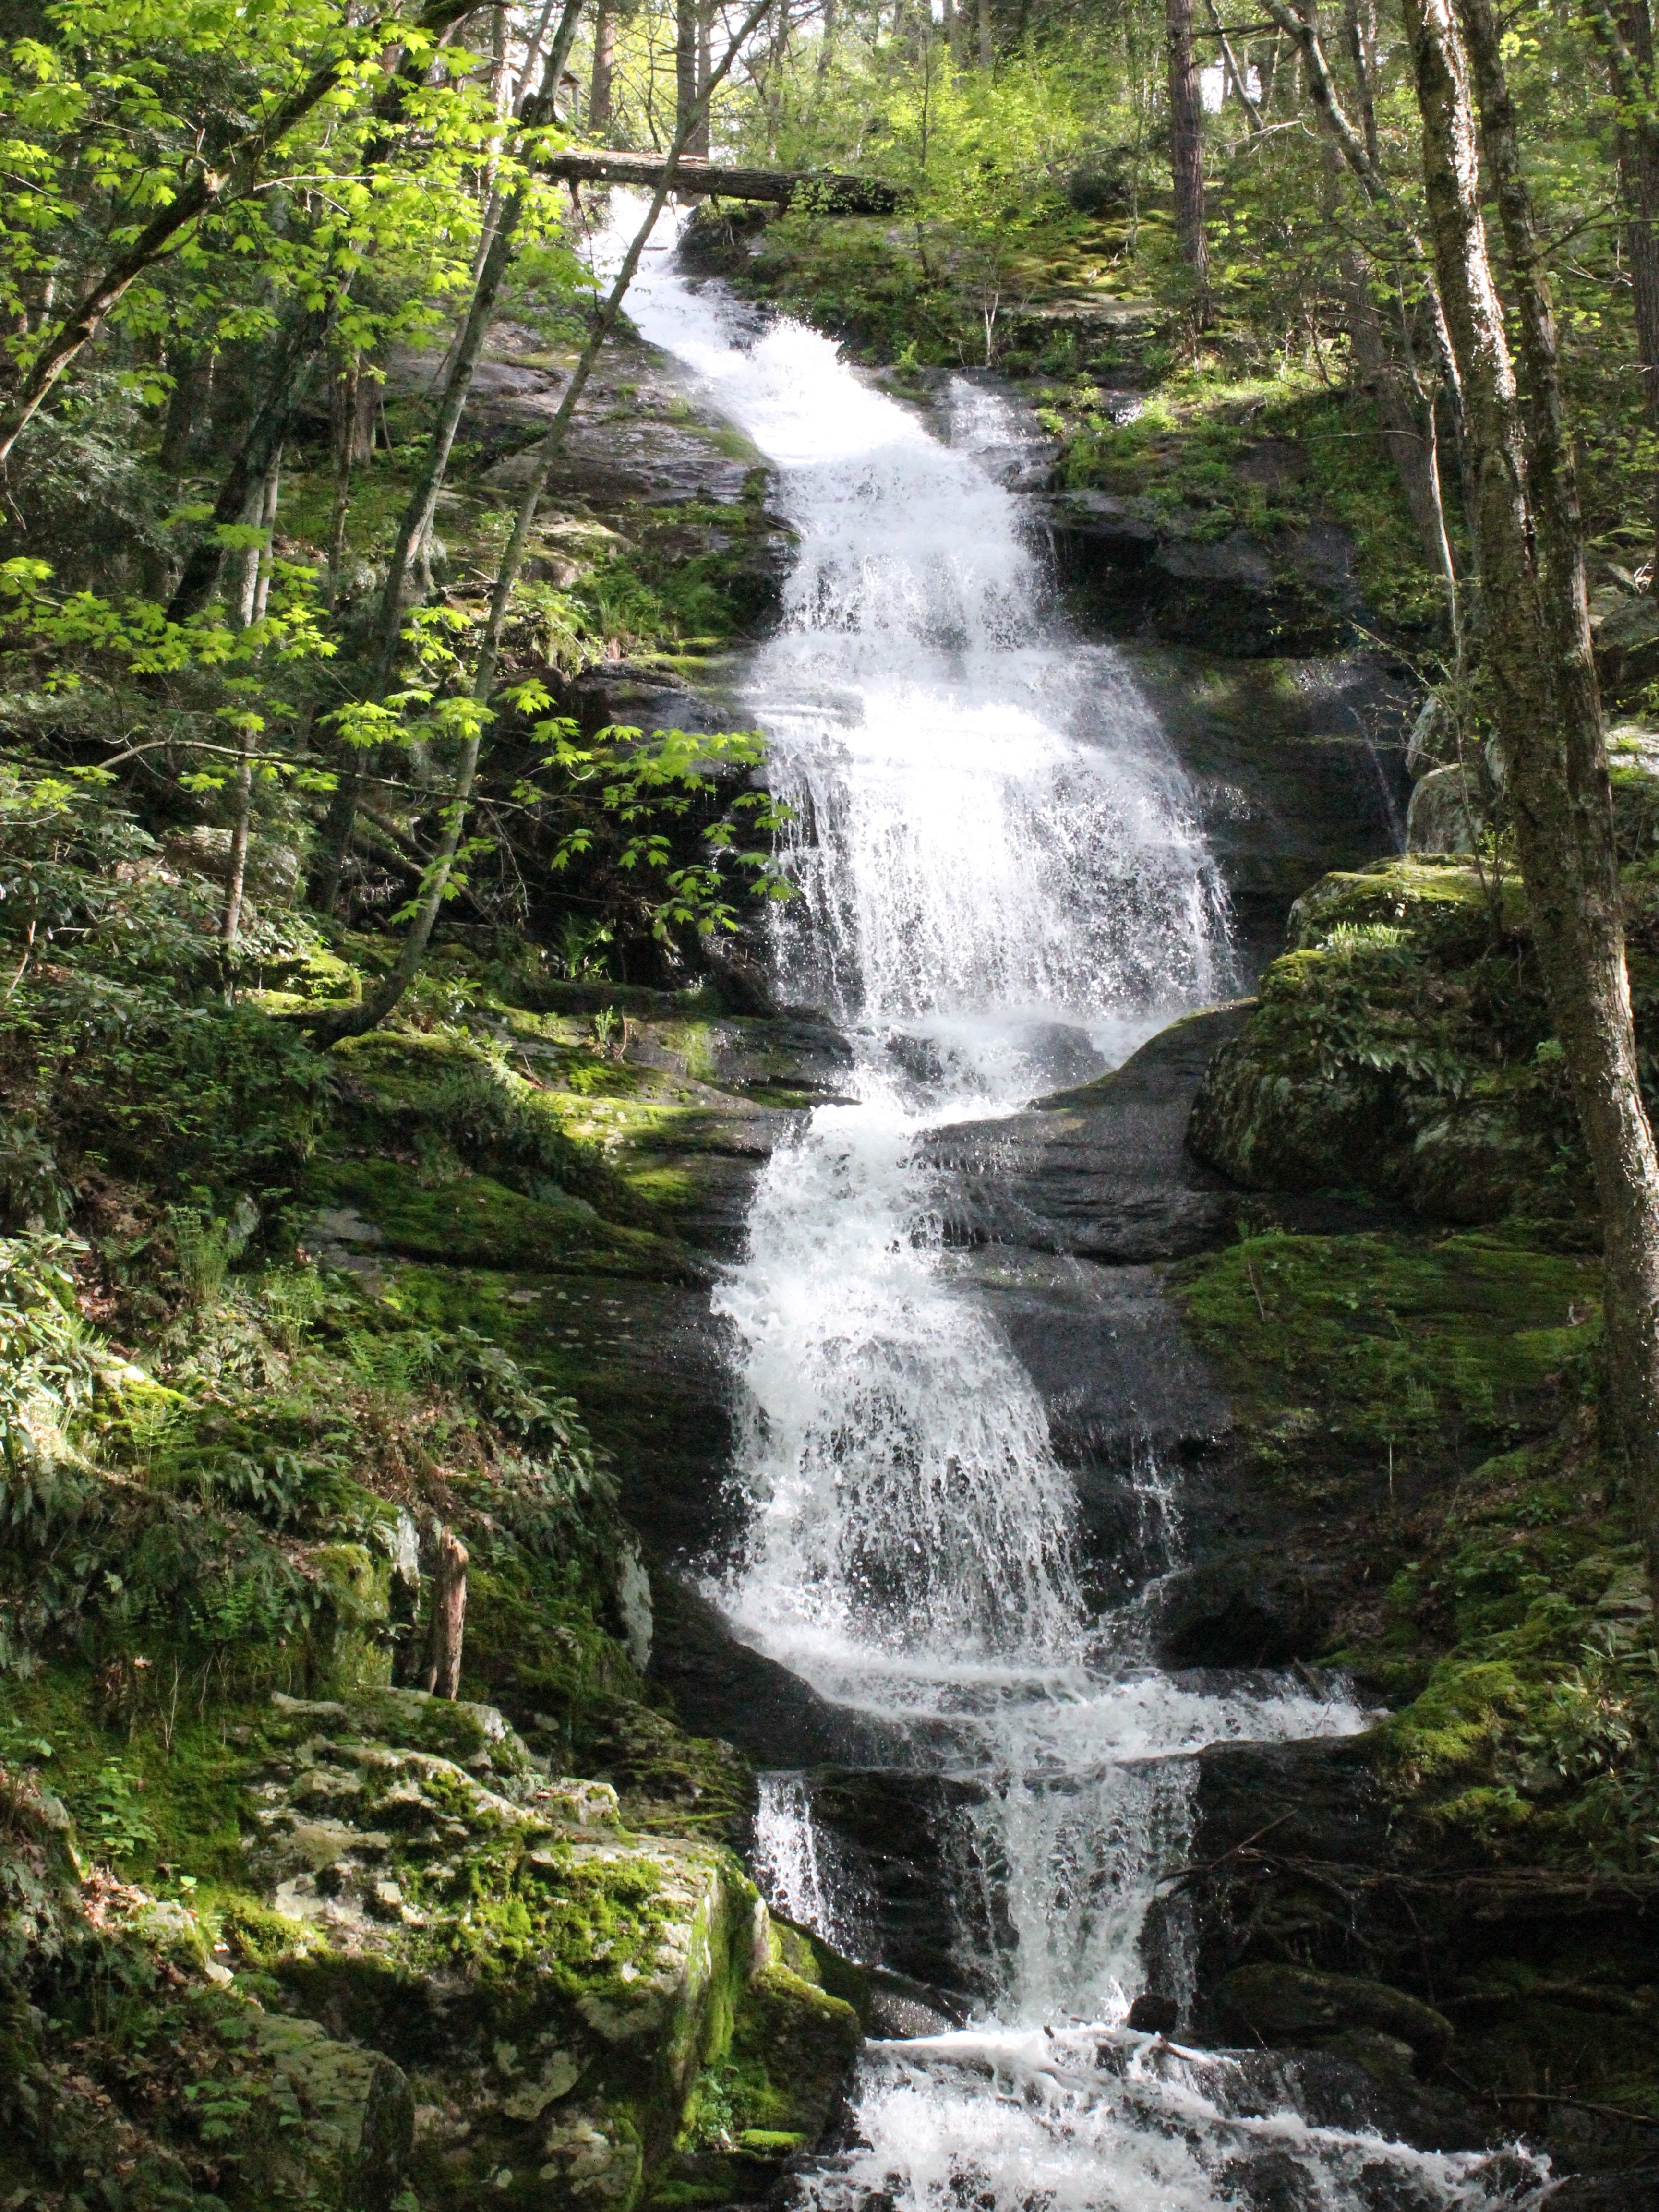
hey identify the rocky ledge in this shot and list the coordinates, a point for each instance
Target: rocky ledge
(446, 1969)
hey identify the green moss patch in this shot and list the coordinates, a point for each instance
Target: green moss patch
(1420, 1347)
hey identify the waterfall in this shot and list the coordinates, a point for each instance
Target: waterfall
(1002, 887)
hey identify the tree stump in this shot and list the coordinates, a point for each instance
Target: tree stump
(447, 1623)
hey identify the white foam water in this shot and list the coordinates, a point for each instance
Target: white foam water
(1002, 886)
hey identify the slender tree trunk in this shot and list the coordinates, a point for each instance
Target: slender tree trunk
(1529, 544)
(415, 529)
(1627, 29)
(499, 78)
(255, 593)
(1404, 415)
(343, 423)
(230, 924)
(986, 53)
(604, 58)
(1268, 72)
(1187, 151)
(359, 1020)
(181, 410)
(1237, 72)
(685, 64)
(446, 1628)
(307, 339)
(1362, 42)
(827, 44)
(362, 421)
(334, 836)
(415, 525)
(296, 359)
(1405, 405)
(697, 144)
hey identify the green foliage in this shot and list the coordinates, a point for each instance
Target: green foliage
(1402, 1048)
(644, 786)
(55, 1374)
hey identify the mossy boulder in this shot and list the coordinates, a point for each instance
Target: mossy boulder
(1400, 1052)
(353, 2113)
(555, 1986)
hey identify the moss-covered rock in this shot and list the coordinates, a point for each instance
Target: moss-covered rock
(434, 1963)
(1400, 1053)
(355, 2116)
(1401, 1050)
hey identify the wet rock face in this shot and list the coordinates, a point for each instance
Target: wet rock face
(1133, 563)
(1100, 1172)
(1604, 2192)
(1325, 1916)
(1295, 2007)
(1253, 1607)
(1297, 768)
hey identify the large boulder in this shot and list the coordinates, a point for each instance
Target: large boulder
(1441, 819)
(1373, 1066)
(561, 1991)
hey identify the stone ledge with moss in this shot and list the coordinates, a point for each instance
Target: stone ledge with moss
(1409, 1492)
(368, 1934)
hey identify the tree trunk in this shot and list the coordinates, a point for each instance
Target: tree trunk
(334, 836)
(343, 424)
(1627, 32)
(181, 410)
(446, 1626)
(827, 44)
(1405, 406)
(832, 193)
(987, 54)
(685, 65)
(1404, 414)
(498, 76)
(256, 563)
(1529, 546)
(255, 593)
(697, 144)
(1361, 31)
(362, 421)
(1187, 151)
(296, 358)
(230, 924)
(416, 526)
(1237, 71)
(604, 57)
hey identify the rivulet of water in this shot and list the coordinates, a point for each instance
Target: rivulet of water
(1002, 888)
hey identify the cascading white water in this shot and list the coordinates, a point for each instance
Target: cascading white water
(1002, 887)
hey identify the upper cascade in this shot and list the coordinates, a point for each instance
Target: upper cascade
(987, 818)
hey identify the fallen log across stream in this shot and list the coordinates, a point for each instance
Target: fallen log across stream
(828, 192)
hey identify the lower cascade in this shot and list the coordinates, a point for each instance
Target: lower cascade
(1001, 891)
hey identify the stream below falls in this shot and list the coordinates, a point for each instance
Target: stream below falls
(1003, 891)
